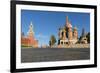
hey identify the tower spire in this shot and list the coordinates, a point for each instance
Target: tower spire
(31, 32)
(67, 22)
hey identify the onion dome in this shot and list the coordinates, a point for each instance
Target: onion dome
(75, 28)
(69, 25)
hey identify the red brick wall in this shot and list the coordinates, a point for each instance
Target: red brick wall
(29, 41)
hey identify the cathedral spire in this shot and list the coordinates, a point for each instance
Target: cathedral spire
(68, 24)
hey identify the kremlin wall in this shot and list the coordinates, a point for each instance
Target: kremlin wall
(29, 40)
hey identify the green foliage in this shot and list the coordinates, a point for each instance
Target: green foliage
(52, 40)
(25, 46)
(49, 43)
(88, 37)
(79, 39)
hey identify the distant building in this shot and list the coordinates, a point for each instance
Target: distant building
(84, 40)
(83, 37)
(29, 40)
(67, 35)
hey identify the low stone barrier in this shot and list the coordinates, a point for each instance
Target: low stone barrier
(75, 46)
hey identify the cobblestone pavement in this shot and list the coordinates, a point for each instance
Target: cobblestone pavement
(54, 54)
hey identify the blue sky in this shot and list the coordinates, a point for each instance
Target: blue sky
(47, 23)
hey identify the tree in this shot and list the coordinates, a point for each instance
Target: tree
(52, 40)
(49, 43)
(88, 37)
(79, 39)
